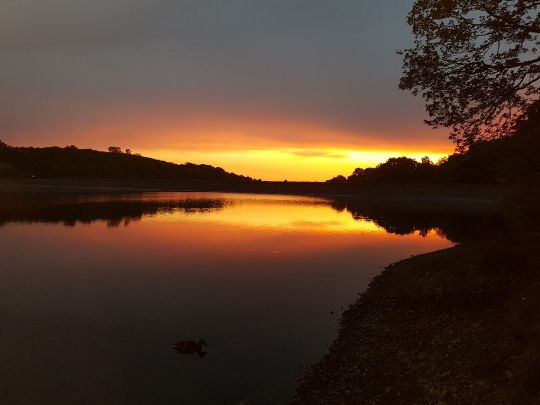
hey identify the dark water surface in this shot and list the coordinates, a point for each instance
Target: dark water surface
(94, 291)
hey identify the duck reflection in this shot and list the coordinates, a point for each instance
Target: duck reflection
(191, 347)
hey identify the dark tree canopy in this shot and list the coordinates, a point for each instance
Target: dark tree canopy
(475, 62)
(70, 162)
(395, 170)
(114, 149)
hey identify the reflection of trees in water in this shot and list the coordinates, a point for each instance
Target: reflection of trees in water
(70, 211)
(400, 217)
(404, 217)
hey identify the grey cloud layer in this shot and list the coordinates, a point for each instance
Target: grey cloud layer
(69, 63)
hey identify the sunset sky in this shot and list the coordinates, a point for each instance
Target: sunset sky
(273, 89)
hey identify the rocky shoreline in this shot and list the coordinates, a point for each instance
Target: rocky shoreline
(457, 326)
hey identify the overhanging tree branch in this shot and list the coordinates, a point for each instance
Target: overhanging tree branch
(475, 62)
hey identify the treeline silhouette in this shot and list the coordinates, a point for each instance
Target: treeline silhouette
(404, 219)
(394, 216)
(71, 162)
(70, 210)
(486, 162)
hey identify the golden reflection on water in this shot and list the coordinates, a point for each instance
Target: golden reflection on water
(312, 218)
(277, 212)
(276, 225)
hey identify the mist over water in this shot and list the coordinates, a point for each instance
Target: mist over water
(95, 291)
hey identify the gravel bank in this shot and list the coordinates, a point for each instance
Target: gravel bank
(458, 326)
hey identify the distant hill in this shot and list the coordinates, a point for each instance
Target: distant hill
(71, 162)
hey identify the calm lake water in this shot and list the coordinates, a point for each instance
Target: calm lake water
(94, 292)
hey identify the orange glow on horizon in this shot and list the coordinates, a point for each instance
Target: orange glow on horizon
(267, 148)
(279, 148)
(290, 164)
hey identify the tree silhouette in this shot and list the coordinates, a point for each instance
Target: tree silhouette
(114, 149)
(359, 174)
(475, 62)
(397, 169)
(56, 162)
(338, 179)
(426, 161)
(3, 144)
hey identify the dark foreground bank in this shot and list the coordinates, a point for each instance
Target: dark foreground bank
(455, 326)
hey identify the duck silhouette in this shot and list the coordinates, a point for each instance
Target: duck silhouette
(190, 347)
